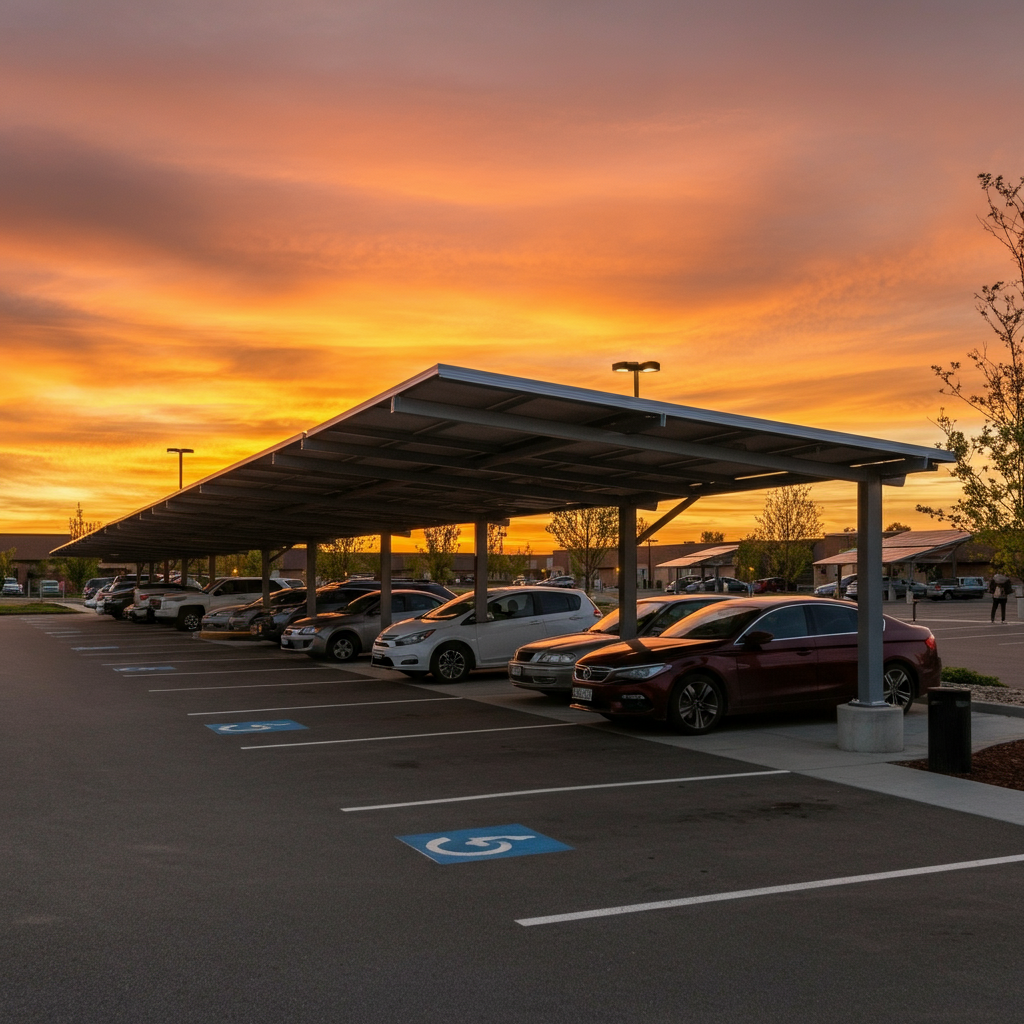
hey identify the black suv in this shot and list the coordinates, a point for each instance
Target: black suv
(335, 597)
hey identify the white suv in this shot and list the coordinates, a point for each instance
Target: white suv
(449, 643)
(187, 608)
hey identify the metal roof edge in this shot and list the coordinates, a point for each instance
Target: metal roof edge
(725, 419)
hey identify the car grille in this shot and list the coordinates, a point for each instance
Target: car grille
(526, 656)
(591, 673)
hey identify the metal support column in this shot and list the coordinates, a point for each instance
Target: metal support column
(869, 593)
(310, 578)
(480, 569)
(211, 567)
(627, 572)
(167, 571)
(184, 570)
(265, 567)
(138, 574)
(152, 571)
(385, 580)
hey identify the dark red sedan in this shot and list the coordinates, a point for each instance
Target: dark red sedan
(750, 655)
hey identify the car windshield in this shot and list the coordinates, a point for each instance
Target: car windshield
(716, 622)
(454, 608)
(644, 614)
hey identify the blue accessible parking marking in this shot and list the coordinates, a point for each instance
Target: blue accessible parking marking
(237, 728)
(462, 846)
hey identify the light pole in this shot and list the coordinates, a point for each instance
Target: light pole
(636, 369)
(182, 452)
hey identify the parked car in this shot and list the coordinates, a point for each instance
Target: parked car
(186, 609)
(679, 585)
(723, 585)
(334, 598)
(962, 588)
(548, 664)
(750, 655)
(141, 609)
(829, 589)
(899, 587)
(49, 588)
(342, 636)
(557, 581)
(238, 618)
(771, 585)
(92, 588)
(449, 643)
(114, 599)
(11, 586)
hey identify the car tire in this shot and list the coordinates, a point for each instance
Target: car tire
(899, 687)
(948, 595)
(342, 647)
(412, 675)
(451, 663)
(697, 704)
(189, 620)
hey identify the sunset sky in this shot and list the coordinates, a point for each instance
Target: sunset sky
(224, 222)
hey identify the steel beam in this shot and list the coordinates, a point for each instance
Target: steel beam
(869, 594)
(627, 573)
(385, 580)
(667, 518)
(480, 573)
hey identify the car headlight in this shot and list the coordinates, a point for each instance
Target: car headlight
(558, 659)
(310, 629)
(413, 638)
(640, 672)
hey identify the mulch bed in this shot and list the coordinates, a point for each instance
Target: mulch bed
(1002, 765)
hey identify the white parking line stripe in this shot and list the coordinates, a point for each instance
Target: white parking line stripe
(410, 736)
(558, 789)
(303, 707)
(976, 636)
(195, 660)
(267, 686)
(770, 890)
(253, 671)
(109, 647)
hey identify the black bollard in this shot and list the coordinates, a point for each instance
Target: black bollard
(949, 730)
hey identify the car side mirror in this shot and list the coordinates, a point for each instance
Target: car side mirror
(758, 638)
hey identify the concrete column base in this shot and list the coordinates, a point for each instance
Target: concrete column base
(870, 730)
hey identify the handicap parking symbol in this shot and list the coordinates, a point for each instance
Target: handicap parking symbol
(238, 728)
(464, 846)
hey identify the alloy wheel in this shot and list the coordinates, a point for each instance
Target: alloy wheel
(698, 704)
(897, 687)
(452, 664)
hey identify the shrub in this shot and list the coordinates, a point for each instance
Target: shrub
(968, 677)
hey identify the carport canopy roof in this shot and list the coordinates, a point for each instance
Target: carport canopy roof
(721, 555)
(909, 546)
(455, 445)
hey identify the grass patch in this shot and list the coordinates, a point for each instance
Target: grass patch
(968, 677)
(36, 608)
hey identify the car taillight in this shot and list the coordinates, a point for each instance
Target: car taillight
(929, 642)
(597, 613)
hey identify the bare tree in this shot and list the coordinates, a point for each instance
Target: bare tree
(77, 570)
(587, 535)
(990, 463)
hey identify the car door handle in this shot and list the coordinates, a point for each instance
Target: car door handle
(804, 651)
(534, 622)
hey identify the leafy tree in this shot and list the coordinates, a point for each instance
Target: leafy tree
(518, 562)
(990, 463)
(897, 527)
(439, 554)
(785, 528)
(78, 570)
(752, 560)
(712, 537)
(7, 563)
(341, 557)
(587, 534)
(497, 563)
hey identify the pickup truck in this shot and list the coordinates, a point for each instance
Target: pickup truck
(186, 610)
(962, 588)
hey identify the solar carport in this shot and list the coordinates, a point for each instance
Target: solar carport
(455, 445)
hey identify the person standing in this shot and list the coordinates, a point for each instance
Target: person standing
(999, 588)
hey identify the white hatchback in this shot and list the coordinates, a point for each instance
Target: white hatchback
(449, 643)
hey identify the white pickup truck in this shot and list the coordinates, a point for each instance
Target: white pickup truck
(186, 609)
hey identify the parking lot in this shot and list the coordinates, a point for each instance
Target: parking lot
(206, 832)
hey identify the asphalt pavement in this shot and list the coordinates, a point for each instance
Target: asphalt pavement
(278, 866)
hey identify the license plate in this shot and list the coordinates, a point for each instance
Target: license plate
(515, 670)
(254, 630)
(582, 693)
(286, 643)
